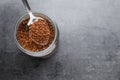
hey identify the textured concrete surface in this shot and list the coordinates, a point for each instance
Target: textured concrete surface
(89, 41)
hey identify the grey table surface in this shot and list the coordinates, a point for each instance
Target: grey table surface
(89, 47)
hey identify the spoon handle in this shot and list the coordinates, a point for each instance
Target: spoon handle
(27, 7)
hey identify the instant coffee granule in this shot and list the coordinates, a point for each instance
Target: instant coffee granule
(27, 43)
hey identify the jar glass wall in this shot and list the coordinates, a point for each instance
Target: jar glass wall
(44, 53)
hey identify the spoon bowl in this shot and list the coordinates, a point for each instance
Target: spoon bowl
(31, 21)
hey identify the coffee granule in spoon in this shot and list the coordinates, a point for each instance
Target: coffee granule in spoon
(39, 32)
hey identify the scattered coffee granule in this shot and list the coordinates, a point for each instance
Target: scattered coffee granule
(27, 43)
(39, 32)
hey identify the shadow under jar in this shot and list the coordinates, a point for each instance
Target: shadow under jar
(44, 51)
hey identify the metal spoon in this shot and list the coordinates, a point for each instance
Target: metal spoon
(32, 20)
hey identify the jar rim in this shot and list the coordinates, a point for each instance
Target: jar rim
(43, 52)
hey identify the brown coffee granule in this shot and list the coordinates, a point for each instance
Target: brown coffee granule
(27, 43)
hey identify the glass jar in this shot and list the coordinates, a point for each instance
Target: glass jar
(44, 53)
